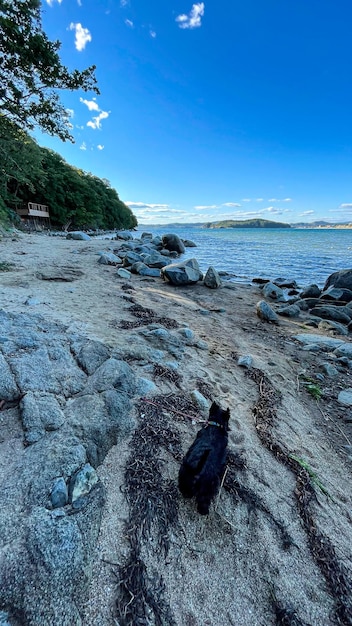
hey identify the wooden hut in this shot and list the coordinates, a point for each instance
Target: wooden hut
(35, 215)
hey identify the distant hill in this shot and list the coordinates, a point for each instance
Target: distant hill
(254, 223)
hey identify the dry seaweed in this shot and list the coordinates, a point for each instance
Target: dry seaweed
(147, 316)
(322, 550)
(163, 372)
(153, 513)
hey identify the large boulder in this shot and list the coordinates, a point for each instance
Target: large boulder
(273, 292)
(78, 235)
(183, 273)
(212, 278)
(330, 312)
(342, 279)
(172, 242)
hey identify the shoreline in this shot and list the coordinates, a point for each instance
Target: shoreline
(178, 341)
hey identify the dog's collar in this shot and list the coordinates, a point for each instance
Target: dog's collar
(215, 424)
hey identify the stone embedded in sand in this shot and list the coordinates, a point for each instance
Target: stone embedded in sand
(212, 278)
(266, 313)
(78, 235)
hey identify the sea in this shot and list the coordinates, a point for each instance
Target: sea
(305, 255)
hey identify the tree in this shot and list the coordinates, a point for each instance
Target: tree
(31, 71)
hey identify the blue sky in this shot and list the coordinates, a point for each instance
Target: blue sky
(212, 110)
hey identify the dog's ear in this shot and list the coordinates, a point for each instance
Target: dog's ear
(214, 408)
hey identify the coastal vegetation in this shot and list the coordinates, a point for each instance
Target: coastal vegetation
(31, 75)
(253, 223)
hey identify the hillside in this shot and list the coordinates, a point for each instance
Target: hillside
(254, 223)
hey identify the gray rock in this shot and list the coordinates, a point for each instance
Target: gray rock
(292, 310)
(129, 258)
(266, 313)
(32, 301)
(327, 343)
(8, 386)
(89, 354)
(200, 401)
(212, 278)
(146, 387)
(155, 260)
(124, 235)
(311, 291)
(78, 235)
(108, 258)
(59, 493)
(245, 361)
(273, 292)
(143, 270)
(335, 327)
(40, 413)
(345, 397)
(341, 279)
(82, 482)
(123, 273)
(344, 349)
(188, 243)
(337, 294)
(173, 243)
(331, 312)
(329, 370)
(183, 273)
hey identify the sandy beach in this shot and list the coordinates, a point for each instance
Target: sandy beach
(276, 546)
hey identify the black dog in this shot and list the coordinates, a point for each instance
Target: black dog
(203, 466)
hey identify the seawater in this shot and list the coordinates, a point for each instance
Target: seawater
(305, 255)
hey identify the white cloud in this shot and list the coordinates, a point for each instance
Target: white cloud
(100, 147)
(129, 23)
(247, 200)
(124, 3)
(144, 205)
(193, 19)
(91, 104)
(82, 36)
(260, 200)
(152, 33)
(305, 213)
(83, 146)
(79, 2)
(95, 122)
(287, 200)
(347, 205)
(51, 2)
(231, 204)
(202, 207)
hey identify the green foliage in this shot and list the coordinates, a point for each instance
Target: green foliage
(31, 71)
(254, 223)
(312, 475)
(311, 386)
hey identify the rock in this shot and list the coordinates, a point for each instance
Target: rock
(283, 283)
(32, 301)
(155, 260)
(172, 242)
(331, 313)
(183, 273)
(245, 361)
(344, 349)
(188, 243)
(266, 313)
(108, 258)
(60, 274)
(212, 278)
(273, 292)
(82, 482)
(334, 327)
(337, 294)
(8, 386)
(342, 279)
(293, 310)
(143, 270)
(329, 370)
(130, 257)
(124, 235)
(325, 343)
(59, 493)
(311, 291)
(123, 273)
(146, 387)
(78, 235)
(200, 401)
(345, 397)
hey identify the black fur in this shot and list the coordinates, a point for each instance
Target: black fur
(204, 464)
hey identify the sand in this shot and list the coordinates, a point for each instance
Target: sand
(277, 545)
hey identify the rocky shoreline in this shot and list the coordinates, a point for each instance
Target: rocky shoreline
(107, 370)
